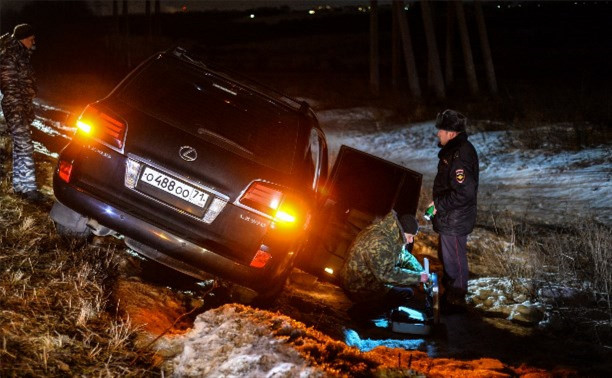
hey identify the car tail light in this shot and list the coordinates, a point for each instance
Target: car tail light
(272, 201)
(101, 125)
(65, 170)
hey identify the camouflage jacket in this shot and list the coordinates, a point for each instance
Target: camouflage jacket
(17, 80)
(378, 261)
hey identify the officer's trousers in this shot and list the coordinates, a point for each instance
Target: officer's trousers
(453, 253)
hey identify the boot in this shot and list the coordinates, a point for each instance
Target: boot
(33, 196)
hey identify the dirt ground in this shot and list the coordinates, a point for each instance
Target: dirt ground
(165, 303)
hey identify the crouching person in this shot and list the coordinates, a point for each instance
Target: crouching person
(380, 267)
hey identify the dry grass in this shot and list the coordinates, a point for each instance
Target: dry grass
(55, 315)
(562, 136)
(570, 267)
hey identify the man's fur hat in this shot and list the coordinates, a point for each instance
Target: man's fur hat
(23, 31)
(451, 120)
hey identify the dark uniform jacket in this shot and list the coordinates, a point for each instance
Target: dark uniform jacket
(378, 261)
(455, 187)
(17, 81)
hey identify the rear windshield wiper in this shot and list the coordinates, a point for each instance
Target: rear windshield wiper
(212, 134)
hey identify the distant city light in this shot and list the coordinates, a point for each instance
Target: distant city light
(252, 15)
(312, 11)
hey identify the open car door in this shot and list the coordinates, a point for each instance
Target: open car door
(361, 188)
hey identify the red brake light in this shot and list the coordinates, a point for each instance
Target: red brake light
(262, 197)
(65, 170)
(102, 126)
(272, 201)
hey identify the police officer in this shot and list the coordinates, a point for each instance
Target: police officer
(18, 86)
(380, 269)
(455, 190)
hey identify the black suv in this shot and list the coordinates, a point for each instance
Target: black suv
(210, 174)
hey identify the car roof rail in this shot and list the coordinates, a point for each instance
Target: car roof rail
(304, 107)
(179, 51)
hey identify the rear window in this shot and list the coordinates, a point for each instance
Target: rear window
(216, 110)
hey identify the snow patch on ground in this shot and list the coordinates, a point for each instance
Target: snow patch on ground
(505, 298)
(540, 184)
(230, 342)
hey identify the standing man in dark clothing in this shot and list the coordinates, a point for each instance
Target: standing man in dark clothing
(18, 85)
(455, 190)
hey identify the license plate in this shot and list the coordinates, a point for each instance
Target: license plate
(175, 187)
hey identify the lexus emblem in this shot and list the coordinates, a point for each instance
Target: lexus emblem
(188, 153)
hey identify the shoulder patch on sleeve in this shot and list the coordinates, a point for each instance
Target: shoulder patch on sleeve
(460, 176)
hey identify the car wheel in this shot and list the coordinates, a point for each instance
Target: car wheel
(268, 298)
(68, 222)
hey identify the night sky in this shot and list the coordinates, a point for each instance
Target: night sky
(561, 48)
(105, 7)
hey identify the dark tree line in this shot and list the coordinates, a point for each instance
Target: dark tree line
(437, 83)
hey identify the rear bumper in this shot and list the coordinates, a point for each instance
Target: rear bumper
(169, 249)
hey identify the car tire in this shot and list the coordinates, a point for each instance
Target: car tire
(269, 298)
(68, 222)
